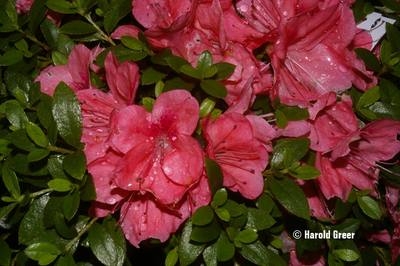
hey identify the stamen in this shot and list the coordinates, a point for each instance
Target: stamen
(224, 140)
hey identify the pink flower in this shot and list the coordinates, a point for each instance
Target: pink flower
(153, 170)
(233, 145)
(353, 160)
(97, 106)
(75, 74)
(159, 154)
(23, 6)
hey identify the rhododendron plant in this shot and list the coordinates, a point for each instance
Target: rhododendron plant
(212, 132)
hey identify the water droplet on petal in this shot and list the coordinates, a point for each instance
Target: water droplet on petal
(168, 170)
(111, 200)
(343, 68)
(174, 138)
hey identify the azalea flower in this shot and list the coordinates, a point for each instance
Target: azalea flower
(160, 156)
(97, 106)
(154, 171)
(232, 144)
(76, 74)
(353, 160)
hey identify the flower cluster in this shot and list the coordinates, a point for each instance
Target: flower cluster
(276, 101)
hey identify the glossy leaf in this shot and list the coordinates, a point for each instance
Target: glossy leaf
(36, 134)
(45, 253)
(347, 254)
(172, 257)
(255, 252)
(224, 70)
(204, 63)
(215, 176)
(36, 14)
(5, 254)
(225, 248)
(71, 204)
(290, 195)
(10, 181)
(214, 88)
(61, 6)
(305, 172)
(75, 164)
(223, 214)
(369, 58)
(258, 219)
(203, 216)
(370, 207)
(154, 74)
(132, 42)
(188, 251)
(190, 71)
(298, 146)
(60, 185)
(220, 197)
(37, 155)
(67, 114)
(203, 234)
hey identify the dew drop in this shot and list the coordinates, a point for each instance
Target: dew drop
(168, 170)
(343, 68)
(244, 8)
(111, 200)
(174, 138)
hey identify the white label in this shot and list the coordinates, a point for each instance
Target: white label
(374, 23)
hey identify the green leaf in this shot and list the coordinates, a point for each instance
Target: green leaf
(392, 4)
(36, 14)
(15, 80)
(290, 195)
(255, 252)
(37, 155)
(32, 223)
(190, 71)
(176, 62)
(88, 192)
(369, 58)
(21, 45)
(393, 35)
(386, 51)
(342, 209)
(158, 59)
(65, 44)
(12, 13)
(5, 254)
(346, 254)
(154, 74)
(77, 27)
(60, 185)
(368, 8)
(11, 181)
(211, 72)
(5, 147)
(370, 207)
(385, 110)
(220, 197)
(55, 167)
(75, 164)
(71, 204)
(61, 6)
(117, 10)
(206, 233)
(178, 83)
(51, 33)
(348, 226)
(223, 214)
(34, 93)
(188, 251)
(7, 209)
(396, 99)
(239, 221)
(11, 57)
(41, 251)
(214, 88)
(103, 245)
(67, 114)
(16, 115)
(305, 172)
(369, 97)
(59, 58)
(233, 208)
(62, 228)
(172, 258)
(224, 70)
(265, 203)
(132, 42)
(206, 107)
(215, 176)
(294, 113)
(287, 157)
(115, 231)
(36, 134)
(258, 219)
(225, 248)
(247, 236)
(204, 63)
(210, 254)
(66, 260)
(298, 146)
(203, 216)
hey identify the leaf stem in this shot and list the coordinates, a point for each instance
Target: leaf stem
(58, 149)
(87, 227)
(32, 38)
(105, 36)
(41, 192)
